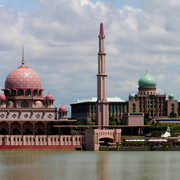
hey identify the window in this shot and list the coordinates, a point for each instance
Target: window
(35, 92)
(134, 108)
(25, 104)
(116, 108)
(151, 113)
(91, 108)
(28, 92)
(119, 109)
(113, 109)
(21, 92)
(123, 108)
(172, 107)
(13, 92)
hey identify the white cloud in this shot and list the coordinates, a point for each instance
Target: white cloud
(61, 45)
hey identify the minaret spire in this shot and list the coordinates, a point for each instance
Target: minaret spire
(102, 107)
(23, 57)
(101, 33)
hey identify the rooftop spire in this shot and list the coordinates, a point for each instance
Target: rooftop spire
(23, 57)
(101, 33)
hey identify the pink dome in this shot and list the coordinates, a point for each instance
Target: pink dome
(63, 108)
(23, 78)
(2, 97)
(49, 97)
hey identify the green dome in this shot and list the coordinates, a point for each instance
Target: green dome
(147, 80)
(171, 96)
(131, 95)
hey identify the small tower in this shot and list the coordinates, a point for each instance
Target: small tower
(171, 97)
(102, 106)
(2, 101)
(49, 101)
(63, 112)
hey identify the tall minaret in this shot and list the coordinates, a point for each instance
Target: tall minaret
(102, 106)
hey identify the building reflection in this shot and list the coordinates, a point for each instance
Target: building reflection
(102, 166)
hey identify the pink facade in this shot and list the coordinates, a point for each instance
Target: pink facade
(102, 116)
(134, 119)
(23, 78)
(95, 136)
(29, 119)
(41, 140)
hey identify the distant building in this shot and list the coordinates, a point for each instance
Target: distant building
(27, 118)
(146, 101)
(134, 119)
(85, 110)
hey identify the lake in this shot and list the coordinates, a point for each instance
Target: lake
(108, 165)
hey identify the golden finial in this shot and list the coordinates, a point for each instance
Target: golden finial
(23, 57)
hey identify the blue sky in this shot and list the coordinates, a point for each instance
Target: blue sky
(20, 5)
(61, 44)
(28, 5)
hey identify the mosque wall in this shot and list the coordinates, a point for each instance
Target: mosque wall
(28, 114)
(41, 140)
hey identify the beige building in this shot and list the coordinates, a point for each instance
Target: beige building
(146, 101)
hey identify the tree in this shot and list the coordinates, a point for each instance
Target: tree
(172, 115)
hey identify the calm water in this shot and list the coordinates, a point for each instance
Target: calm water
(50, 165)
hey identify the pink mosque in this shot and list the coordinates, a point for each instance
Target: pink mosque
(29, 120)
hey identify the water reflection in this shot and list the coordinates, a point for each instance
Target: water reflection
(42, 165)
(102, 162)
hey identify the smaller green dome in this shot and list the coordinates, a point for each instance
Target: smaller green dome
(147, 80)
(171, 96)
(131, 95)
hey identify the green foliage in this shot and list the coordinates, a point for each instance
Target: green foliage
(27, 131)
(3, 131)
(146, 116)
(157, 129)
(15, 131)
(172, 115)
(82, 123)
(175, 129)
(113, 121)
(39, 132)
(146, 119)
(129, 143)
(79, 123)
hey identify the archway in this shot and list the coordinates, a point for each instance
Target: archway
(4, 128)
(39, 128)
(28, 92)
(13, 92)
(15, 128)
(27, 128)
(21, 92)
(105, 141)
(52, 130)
